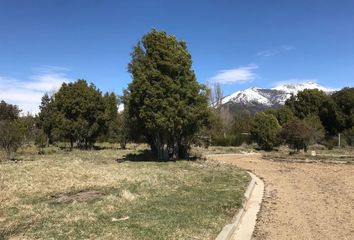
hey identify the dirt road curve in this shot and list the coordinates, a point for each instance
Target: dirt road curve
(302, 200)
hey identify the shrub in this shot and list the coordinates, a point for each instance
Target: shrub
(265, 131)
(297, 134)
(348, 136)
(11, 136)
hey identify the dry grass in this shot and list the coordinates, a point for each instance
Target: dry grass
(88, 195)
(336, 155)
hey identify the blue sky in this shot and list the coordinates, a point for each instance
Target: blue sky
(237, 43)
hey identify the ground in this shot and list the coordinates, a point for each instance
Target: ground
(94, 195)
(302, 200)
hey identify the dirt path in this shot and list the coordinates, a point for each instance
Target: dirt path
(302, 200)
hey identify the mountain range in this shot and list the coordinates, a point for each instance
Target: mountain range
(256, 99)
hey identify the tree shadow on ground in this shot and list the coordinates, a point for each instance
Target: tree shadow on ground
(141, 156)
(147, 156)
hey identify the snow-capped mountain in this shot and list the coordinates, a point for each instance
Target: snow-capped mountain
(269, 97)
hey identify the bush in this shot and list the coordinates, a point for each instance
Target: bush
(265, 131)
(331, 142)
(11, 136)
(348, 136)
(297, 134)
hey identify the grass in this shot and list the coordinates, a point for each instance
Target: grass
(335, 155)
(88, 195)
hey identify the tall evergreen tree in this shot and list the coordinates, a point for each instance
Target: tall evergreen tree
(265, 131)
(11, 129)
(164, 102)
(110, 101)
(316, 102)
(344, 100)
(79, 113)
(45, 118)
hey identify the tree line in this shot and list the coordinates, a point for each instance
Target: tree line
(310, 117)
(167, 108)
(78, 114)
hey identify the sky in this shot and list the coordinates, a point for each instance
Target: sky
(238, 44)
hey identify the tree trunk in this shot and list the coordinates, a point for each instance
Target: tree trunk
(184, 149)
(48, 141)
(161, 148)
(71, 144)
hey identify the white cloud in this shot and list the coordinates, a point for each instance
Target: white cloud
(275, 51)
(27, 94)
(236, 75)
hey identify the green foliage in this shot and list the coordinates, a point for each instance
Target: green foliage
(46, 120)
(79, 113)
(348, 136)
(306, 102)
(317, 131)
(284, 115)
(8, 111)
(297, 134)
(11, 136)
(119, 130)
(28, 127)
(242, 123)
(164, 102)
(344, 100)
(316, 102)
(109, 132)
(41, 138)
(265, 131)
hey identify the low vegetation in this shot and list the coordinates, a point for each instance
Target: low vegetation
(89, 195)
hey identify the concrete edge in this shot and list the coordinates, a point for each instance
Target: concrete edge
(229, 230)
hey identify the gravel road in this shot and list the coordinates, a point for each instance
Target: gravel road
(302, 201)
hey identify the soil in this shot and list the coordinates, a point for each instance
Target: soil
(82, 196)
(301, 200)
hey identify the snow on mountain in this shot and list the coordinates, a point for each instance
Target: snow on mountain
(289, 89)
(270, 97)
(250, 95)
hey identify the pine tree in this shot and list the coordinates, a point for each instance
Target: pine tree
(164, 102)
(79, 113)
(45, 118)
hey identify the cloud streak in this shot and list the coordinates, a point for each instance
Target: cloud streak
(27, 94)
(275, 51)
(236, 75)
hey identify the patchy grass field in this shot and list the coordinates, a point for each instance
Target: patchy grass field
(336, 155)
(88, 195)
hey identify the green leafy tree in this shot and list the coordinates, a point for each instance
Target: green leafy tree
(283, 114)
(316, 129)
(11, 136)
(344, 100)
(265, 131)
(164, 102)
(8, 111)
(306, 102)
(111, 102)
(348, 136)
(297, 134)
(123, 129)
(79, 113)
(29, 128)
(45, 119)
(316, 102)
(11, 130)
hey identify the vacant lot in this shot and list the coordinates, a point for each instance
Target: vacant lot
(302, 200)
(89, 195)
